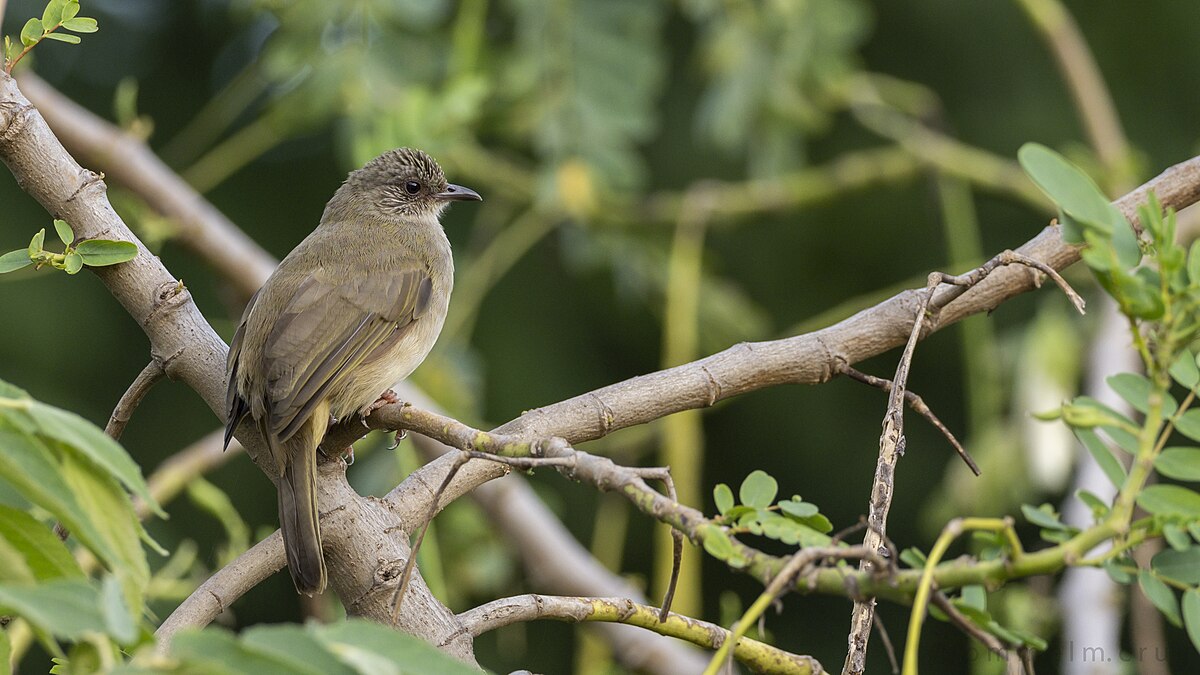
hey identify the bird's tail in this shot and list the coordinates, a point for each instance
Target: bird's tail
(298, 516)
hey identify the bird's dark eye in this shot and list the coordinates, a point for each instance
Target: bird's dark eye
(412, 187)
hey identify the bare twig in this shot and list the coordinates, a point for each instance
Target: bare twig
(1093, 102)
(411, 563)
(887, 644)
(784, 580)
(969, 627)
(132, 398)
(918, 405)
(757, 655)
(892, 440)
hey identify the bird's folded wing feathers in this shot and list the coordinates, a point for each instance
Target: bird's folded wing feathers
(354, 317)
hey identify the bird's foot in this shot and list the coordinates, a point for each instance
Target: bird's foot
(345, 454)
(386, 398)
(400, 436)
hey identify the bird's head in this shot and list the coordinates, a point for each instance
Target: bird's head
(408, 182)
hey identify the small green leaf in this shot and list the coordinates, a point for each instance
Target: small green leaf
(81, 24)
(1184, 370)
(1179, 463)
(758, 490)
(1177, 536)
(1043, 516)
(913, 557)
(1191, 615)
(73, 263)
(1170, 499)
(65, 608)
(115, 612)
(1136, 389)
(1161, 596)
(1099, 507)
(723, 497)
(1069, 187)
(1099, 451)
(64, 37)
(799, 509)
(53, 14)
(1193, 264)
(719, 547)
(1120, 571)
(14, 260)
(1188, 424)
(71, 10)
(44, 553)
(35, 244)
(101, 252)
(31, 32)
(1181, 566)
(65, 233)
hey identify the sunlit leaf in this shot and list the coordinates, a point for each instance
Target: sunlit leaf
(31, 32)
(46, 556)
(81, 24)
(64, 231)
(64, 37)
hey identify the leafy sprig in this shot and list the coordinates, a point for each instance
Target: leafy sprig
(90, 252)
(1156, 282)
(58, 14)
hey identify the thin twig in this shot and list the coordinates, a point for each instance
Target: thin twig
(411, 563)
(132, 398)
(795, 566)
(1093, 101)
(507, 611)
(892, 440)
(887, 644)
(968, 626)
(918, 405)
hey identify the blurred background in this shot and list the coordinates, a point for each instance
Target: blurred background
(662, 180)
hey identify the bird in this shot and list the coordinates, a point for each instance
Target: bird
(351, 311)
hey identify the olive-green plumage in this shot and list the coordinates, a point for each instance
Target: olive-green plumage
(347, 314)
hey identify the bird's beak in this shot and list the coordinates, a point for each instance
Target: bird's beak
(458, 193)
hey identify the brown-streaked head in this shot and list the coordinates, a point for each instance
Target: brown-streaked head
(409, 182)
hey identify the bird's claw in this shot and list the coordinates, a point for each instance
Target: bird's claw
(400, 436)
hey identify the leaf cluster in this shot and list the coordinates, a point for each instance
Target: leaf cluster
(58, 14)
(90, 252)
(62, 468)
(791, 521)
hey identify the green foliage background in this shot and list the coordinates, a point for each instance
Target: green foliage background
(566, 115)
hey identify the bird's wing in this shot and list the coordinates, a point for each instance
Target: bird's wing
(236, 406)
(352, 320)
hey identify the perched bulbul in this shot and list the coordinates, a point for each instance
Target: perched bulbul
(351, 311)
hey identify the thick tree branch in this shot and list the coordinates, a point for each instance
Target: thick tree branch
(188, 349)
(126, 159)
(193, 353)
(557, 561)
